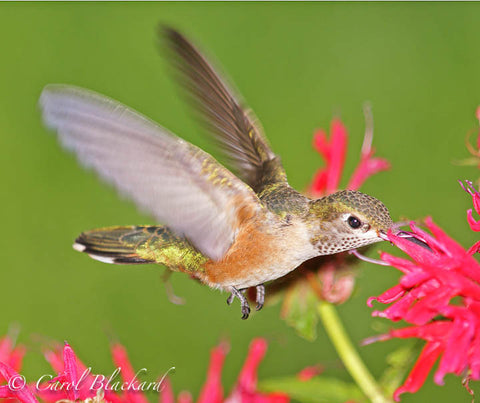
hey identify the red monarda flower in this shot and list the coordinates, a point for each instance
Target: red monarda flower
(75, 381)
(439, 294)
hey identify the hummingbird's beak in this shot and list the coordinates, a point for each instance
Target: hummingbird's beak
(408, 235)
(382, 234)
(412, 237)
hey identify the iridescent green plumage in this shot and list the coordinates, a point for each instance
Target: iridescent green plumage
(141, 244)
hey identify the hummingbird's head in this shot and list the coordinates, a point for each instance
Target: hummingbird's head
(347, 220)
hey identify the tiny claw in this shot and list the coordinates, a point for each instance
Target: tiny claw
(245, 311)
(243, 301)
(260, 298)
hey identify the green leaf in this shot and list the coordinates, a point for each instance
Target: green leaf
(300, 310)
(315, 390)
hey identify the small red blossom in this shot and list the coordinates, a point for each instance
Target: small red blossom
(244, 391)
(333, 151)
(439, 294)
(310, 372)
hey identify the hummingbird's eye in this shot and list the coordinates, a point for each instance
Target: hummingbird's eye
(354, 222)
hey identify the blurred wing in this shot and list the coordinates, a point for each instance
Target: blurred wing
(181, 185)
(240, 137)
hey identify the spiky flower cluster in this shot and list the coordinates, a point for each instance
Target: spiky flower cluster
(75, 380)
(439, 294)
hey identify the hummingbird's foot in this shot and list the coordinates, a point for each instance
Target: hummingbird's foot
(174, 299)
(243, 301)
(230, 299)
(260, 299)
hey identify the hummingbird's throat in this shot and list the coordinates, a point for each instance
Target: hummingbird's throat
(346, 244)
(333, 241)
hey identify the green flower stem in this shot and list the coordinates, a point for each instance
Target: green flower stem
(349, 356)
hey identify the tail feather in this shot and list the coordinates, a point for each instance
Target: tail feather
(140, 244)
(116, 245)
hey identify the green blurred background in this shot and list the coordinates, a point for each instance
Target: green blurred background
(297, 64)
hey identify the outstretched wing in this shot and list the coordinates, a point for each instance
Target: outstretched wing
(236, 128)
(181, 185)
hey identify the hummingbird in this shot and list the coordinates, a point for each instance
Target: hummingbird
(231, 229)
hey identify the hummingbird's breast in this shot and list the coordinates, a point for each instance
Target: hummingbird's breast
(262, 251)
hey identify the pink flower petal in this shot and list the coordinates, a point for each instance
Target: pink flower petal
(333, 151)
(474, 224)
(6, 347)
(420, 371)
(449, 245)
(247, 380)
(70, 365)
(412, 279)
(406, 266)
(166, 392)
(245, 389)
(389, 296)
(367, 167)
(474, 248)
(212, 390)
(319, 183)
(128, 374)
(337, 154)
(458, 344)
(54, 358)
